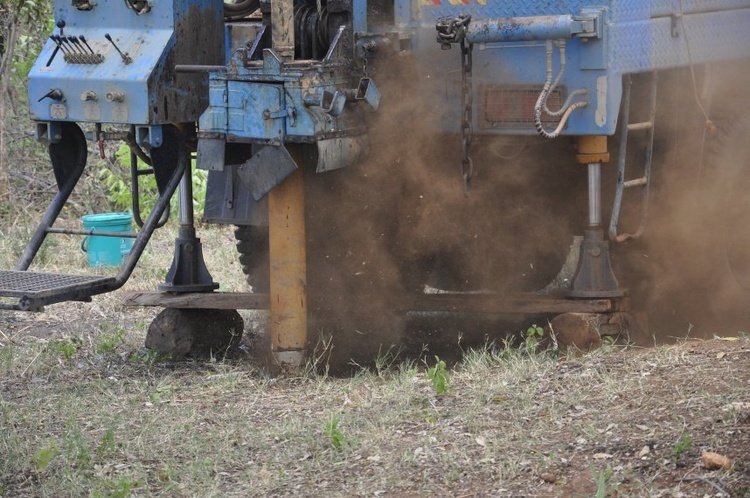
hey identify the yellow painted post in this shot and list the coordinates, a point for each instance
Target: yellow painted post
(286, 219)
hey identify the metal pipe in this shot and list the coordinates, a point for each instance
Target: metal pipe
(151, 223)
(624, 133)
(198, 68)
(595, 194)
(96, 233)
(186, 196)
(47, 221)
(509, 29)
(287, 254)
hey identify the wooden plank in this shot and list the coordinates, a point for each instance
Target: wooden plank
(524, 304)
(207, 300)
(451, 303)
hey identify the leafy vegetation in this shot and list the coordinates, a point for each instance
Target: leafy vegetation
(22, 35)
(602, 479)
(115, 175)
(684, 443)
(439, 376)
(332, 431)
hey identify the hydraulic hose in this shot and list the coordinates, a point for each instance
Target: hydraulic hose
(549, 85)
(240, 9)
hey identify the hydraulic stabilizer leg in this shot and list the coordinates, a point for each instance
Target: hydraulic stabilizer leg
(594, 276)
(188, 272)
(287, 251)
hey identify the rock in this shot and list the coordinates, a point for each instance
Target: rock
(715, 461)
(577, 330)
(199, 333)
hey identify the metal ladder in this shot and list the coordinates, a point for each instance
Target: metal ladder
(34, 290)
(643, 181)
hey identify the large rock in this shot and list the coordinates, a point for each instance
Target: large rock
(584, 331)
(577, 330)
(199, 333)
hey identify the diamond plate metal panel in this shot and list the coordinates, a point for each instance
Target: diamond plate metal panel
(660, 8)
(431, 11)
(18, 283)
(619, 10)
(647, 45)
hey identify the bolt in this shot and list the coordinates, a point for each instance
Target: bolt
(115, 96)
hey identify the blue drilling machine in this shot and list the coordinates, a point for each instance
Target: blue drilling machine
(311, 116)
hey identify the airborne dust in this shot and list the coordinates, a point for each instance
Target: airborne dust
(401, 222)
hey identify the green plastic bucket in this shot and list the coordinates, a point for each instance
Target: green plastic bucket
(107, 251)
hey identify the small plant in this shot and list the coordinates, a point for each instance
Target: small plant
(155, 398)
(107, 444)
(77, 449)
(607, 344)
(43, 457)
(149, 357)
(535, 332)
(683, 444)
(439, 376)
(121, 488)
(533, 336)
(67, 348)
(332, 432)
(109, 342)
(602, 479)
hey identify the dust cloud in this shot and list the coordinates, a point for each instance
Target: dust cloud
(690, 271)
(384, 230)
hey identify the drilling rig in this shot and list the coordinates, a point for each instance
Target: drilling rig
(278, 100)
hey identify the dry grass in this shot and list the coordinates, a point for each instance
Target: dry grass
(91, 412)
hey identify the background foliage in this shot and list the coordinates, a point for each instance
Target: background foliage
(24, 174)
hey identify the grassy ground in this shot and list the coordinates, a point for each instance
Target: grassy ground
(87, 411)
(95, 414)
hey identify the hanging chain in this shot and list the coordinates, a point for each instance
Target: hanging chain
(467, 130)
(453, 30)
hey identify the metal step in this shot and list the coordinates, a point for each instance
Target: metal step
(645, 125)
(637, 182)
(35, 290)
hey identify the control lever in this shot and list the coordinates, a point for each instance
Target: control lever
(125, 57)
(53, 94)
(83, 40)
(61, 25)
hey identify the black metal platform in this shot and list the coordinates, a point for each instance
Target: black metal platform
(35, 290)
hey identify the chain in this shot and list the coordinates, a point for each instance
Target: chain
(467, 131)
(453, 30)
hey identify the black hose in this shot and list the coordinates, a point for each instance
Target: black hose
(240, 9)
